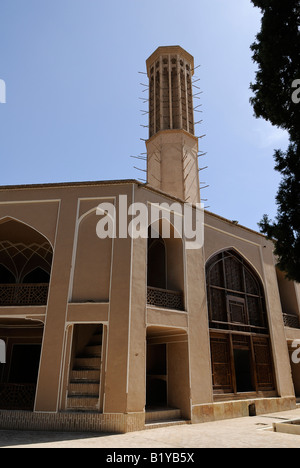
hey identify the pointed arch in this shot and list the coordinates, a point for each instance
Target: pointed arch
(23, 250)
(92, 257)
(241, 354)
(242, 256)
(165, 266)
(7, 219)
(231, 279)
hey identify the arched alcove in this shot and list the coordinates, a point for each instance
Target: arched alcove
(24, 253)
(165, 267)
(92, 269)
(240, 345)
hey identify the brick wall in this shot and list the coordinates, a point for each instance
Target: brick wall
(71, 422)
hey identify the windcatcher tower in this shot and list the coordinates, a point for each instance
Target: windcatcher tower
(172, 148)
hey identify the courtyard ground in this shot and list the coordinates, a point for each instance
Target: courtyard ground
(249, 432)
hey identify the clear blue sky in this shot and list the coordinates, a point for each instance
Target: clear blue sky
(73, 88)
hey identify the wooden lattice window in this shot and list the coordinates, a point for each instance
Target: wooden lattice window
(263, 362)
(236, 309)
(221, 366)
(241, 364)
(235, 294)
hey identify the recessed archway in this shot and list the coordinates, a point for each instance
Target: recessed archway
(165, 267)
(19, 374)
(167, 370)
(240, 343)
(25, 255)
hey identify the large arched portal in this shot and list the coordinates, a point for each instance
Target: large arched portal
(239, 333)
(25, 265)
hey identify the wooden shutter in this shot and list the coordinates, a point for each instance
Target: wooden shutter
(221, 364)
(263, 364)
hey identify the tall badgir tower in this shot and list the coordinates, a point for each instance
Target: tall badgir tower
(172, 148)
(119, 333)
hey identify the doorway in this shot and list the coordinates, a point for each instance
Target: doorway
(156, 381)
(24, 364)
(243, 374)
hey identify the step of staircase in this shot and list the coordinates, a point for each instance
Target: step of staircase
(82, 402)
(84, 374)
(93, 350)
(162, 414)
(83, 388)
(96, 339)
(159, 424)
(90, 362)
(163, 417)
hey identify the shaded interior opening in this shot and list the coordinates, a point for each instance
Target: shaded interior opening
(156, 391)
(157, 263)
(38, 275)
(25, 363)
(242, 363)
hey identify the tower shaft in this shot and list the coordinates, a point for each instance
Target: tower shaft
(172, 148)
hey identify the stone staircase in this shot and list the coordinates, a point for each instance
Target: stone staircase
(163, 417)
(84, 384)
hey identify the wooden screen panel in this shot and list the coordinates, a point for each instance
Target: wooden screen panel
(241, 341)
(236, 309)
(216, 273)
(229, 276)
(234, 274)
(217, 305)
(251, 284)
(221, 364)
(255, 312)
(263, 364)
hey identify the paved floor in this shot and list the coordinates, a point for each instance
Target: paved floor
(250, 432)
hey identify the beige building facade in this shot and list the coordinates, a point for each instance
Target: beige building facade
(118, 332)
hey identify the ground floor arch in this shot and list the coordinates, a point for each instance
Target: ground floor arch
(167, 370)
(19, 374)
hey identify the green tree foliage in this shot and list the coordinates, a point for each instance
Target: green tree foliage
(276, 51)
